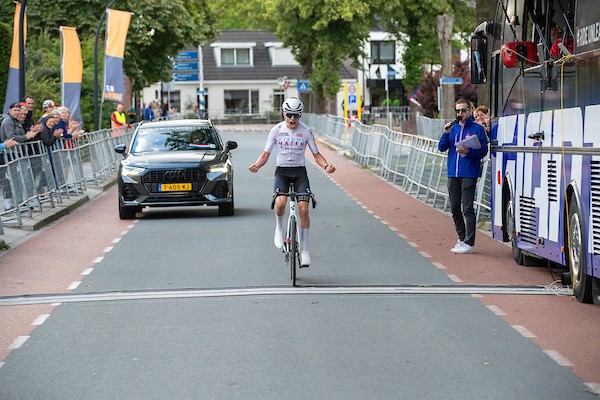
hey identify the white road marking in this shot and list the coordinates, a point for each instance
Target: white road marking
(117, 240)
(524, 331)
(98, 259)
(40, 319)
(280, 291)
(559, 358)
(107, 249)
(455, 278)
(413, 244)
(425, 254)
(87, 271)
(20, 341)
(496, 310)
(439, 265)
(74, 285)
(593, 387)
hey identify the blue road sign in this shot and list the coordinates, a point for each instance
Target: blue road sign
(303, 86)
(198, 91)
(185, 77)
(187, 55)
(451, 81)
(352, 99)
(185, 66)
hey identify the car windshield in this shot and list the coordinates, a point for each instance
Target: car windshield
(180, 138)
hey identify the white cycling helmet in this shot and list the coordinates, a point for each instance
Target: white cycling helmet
(292, 105)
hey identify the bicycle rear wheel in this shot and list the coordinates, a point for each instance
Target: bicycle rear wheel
(293, 256)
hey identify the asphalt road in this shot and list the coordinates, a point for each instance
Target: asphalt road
(275, 341)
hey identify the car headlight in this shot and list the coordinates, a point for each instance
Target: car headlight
(217, 171)
(131, 170)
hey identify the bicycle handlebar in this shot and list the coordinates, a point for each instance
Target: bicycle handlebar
(293, 194)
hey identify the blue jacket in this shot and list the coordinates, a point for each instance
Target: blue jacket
(468, 166)
(148, 114)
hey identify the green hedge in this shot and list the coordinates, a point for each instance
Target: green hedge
(5, 49)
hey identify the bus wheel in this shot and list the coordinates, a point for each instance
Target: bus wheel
(509, 215)
(576, 257)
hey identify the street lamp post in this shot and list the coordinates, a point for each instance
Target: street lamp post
(96, 103)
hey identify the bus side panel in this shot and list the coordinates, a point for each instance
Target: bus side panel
(592, 139)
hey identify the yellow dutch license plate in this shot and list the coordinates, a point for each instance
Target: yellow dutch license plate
(174, 187)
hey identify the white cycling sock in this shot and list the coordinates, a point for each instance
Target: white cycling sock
(304, 239)
(279, 220)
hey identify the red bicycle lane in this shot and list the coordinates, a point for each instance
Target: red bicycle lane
(55, 260)
(565, 329)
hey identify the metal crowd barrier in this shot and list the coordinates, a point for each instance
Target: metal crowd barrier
(34, 177)
(411, 162)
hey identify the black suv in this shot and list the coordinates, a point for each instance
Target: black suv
(175, 163)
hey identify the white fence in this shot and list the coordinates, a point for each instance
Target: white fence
(409, 161)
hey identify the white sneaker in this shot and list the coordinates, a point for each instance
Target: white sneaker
(278, 239)
(304, 258)
(458, 245)
(465, 249)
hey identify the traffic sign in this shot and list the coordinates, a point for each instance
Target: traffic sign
(352, 99)
(303, 86)
(198, 91)
(185, 66)
(187, 55)
(185, 77)
(451, 81)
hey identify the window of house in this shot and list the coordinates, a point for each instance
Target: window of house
(235, 56)
(278, 99)
(241, 101)
(383, 52)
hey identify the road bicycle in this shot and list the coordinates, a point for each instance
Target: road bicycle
(293, 240)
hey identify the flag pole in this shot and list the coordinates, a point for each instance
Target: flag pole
(22, 50)
(96, 105)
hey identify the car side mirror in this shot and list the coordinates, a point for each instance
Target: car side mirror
(121, 149)
(478, 59)
(230, 145)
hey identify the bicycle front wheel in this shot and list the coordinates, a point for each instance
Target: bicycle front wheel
(293, 256)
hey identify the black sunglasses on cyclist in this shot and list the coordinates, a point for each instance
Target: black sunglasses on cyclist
(462, 110)
(293, 115)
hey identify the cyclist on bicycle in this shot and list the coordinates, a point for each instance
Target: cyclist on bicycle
(291, 137)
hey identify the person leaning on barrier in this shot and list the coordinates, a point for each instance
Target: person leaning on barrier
(12, 127)
(463, 171)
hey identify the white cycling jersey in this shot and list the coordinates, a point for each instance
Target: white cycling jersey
(291, 144)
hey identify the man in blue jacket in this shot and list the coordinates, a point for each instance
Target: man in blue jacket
(464, 157)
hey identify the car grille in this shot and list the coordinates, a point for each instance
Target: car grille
(174, 176)
(152, 179)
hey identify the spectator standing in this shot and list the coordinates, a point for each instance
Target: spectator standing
(148, 114)
(164, 111)
(12, 128)
(48, 106)
(118, 120)
(131, 115)
(481, 115)
(30, 104)
(463, 171)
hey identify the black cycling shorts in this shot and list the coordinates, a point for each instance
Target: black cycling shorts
(297, 175)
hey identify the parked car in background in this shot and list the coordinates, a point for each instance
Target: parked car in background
(175, 163)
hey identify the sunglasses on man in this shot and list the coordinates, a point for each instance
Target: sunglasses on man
(293, 115)
(462, 110)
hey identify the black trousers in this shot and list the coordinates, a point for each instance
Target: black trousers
(461, 192)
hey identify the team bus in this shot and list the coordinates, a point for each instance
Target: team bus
(541, 62)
